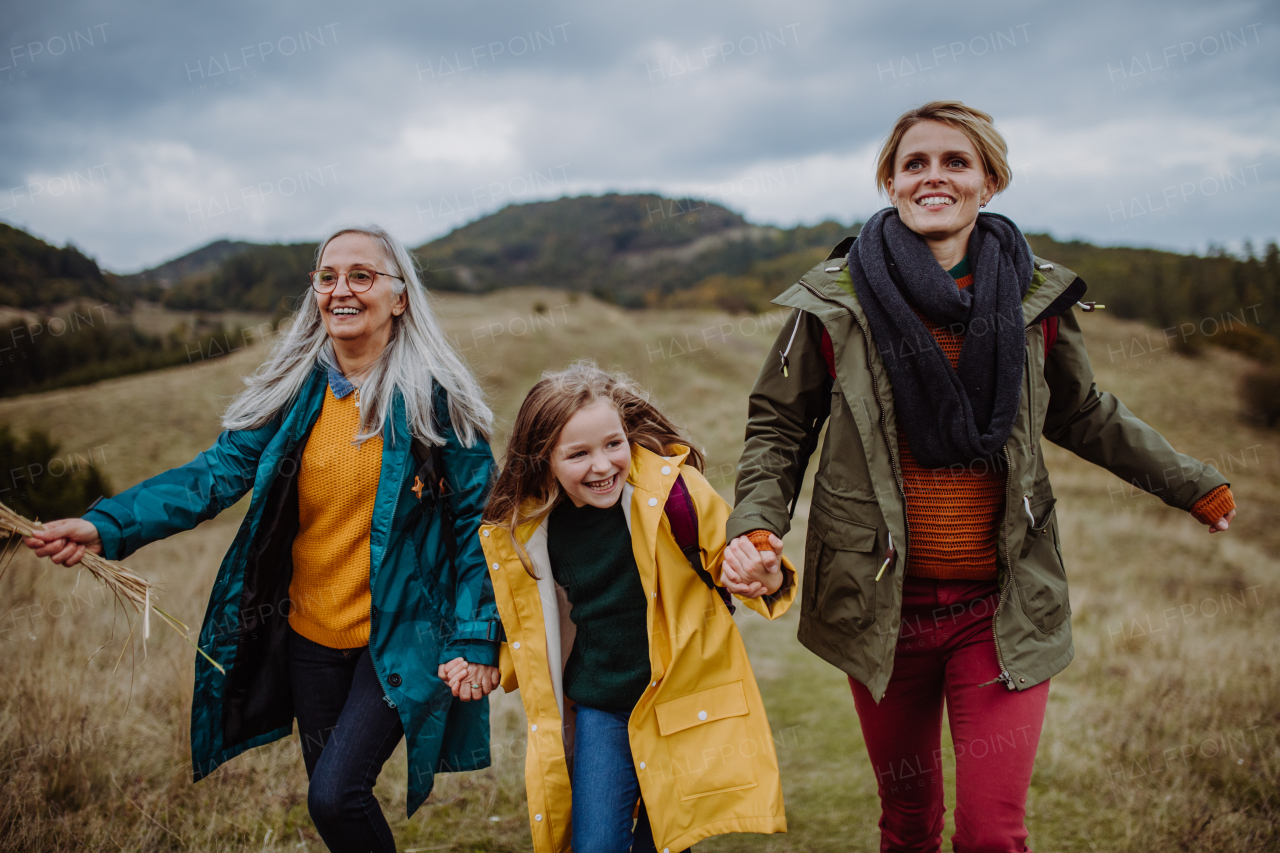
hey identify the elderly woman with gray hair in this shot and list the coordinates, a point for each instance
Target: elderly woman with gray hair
(354, 597)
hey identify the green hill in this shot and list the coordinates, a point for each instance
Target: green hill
(256, 278)
(34, 273)
(204, 260)
(644, 250)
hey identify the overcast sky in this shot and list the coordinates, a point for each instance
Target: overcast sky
(139, 131)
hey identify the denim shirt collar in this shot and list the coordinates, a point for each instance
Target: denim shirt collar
(339, 383)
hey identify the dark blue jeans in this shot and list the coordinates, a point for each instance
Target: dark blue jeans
(348, 731)
(605, 787)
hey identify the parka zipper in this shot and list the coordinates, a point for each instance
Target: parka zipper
(1004, 677)
(875, 391)
(395, 505)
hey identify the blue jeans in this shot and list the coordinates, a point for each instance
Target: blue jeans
(605, 787)
(348, 732)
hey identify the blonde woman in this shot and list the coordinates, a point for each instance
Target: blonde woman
(354, 597)
(941, 351)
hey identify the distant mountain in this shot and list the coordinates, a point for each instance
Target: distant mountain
(203, 260)
(634, 250)
(254, 278)
(644, 250)
(34, 273)
(631, 249)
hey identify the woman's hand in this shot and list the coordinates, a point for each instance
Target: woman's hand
(64, 541)
(469, 681)
(1219, 525)
(749, 572)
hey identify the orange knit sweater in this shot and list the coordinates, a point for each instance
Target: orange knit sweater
(337, 486)
(953, 516)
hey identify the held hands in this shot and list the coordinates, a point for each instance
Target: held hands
(1217, 526)
(64, 541)
(751, 573)
(469, 681)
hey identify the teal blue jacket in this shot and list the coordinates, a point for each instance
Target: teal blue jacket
(426, 608)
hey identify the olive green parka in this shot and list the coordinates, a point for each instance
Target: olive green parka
(849, 616)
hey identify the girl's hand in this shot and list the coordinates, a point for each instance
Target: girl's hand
(64, 541)
(1221, 524)
(469, 681)
(749, 572)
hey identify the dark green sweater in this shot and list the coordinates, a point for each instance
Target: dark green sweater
(591, 557)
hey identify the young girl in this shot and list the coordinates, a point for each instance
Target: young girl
(639, 695)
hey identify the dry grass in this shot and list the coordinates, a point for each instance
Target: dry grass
(1155, 739)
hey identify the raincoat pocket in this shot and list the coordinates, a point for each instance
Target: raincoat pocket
(710, 743)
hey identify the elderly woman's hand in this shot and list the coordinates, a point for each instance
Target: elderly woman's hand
(64, 541)
(469, 681)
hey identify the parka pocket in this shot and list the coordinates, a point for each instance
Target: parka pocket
(1040, 575)
(710, 743)
(840, 571)
(842, 466)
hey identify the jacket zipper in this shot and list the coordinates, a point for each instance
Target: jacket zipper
(386, 697)
(1004, 677)
(884, 430)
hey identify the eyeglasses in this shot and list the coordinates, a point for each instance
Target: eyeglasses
(324, 281)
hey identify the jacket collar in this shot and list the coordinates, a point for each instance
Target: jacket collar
(338, 381)
(820, 291)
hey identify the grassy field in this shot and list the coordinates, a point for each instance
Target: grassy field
(1161, 736)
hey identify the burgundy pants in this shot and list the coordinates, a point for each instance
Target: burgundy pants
(945, 652)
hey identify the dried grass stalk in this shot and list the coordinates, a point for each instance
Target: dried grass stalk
(129, 589)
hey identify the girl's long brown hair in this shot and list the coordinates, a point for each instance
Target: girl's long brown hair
(526, 489)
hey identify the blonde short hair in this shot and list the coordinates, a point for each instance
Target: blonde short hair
(974, 124)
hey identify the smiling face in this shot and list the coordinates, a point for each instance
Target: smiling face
(359, 318)
(938, 181)
(592, 456)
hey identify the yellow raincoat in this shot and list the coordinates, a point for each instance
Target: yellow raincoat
(699, 736)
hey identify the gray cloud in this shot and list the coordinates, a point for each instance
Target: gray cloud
(141, 130)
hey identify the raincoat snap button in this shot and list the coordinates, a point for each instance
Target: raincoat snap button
(515, 645)
(653, 501)
(537, 817)
(641, 765)
(393, 679)
(533, 728)
(485, 534)
(666, 469)
(495, 567)
(702, 715)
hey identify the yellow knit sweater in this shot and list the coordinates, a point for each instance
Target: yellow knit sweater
(337, 486)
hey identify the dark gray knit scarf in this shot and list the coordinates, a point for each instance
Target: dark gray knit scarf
(950, 416)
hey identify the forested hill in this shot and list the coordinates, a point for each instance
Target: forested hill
(1168, 289)
(204, 260)
(34, 273)
(638, 250)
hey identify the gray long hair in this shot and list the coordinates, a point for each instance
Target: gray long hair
(417, 353)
